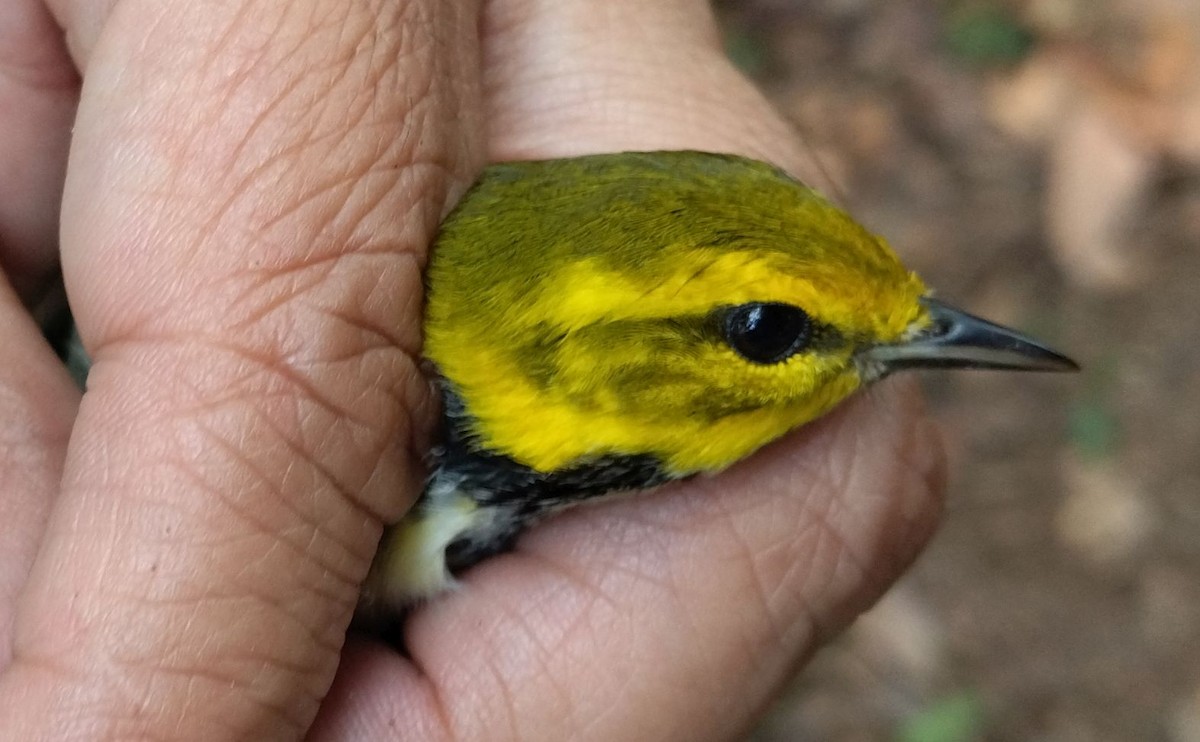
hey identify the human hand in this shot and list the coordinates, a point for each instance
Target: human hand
(250, 193)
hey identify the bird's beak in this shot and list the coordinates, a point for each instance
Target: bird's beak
(955, 339)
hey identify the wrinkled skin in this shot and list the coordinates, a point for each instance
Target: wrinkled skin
(248, 198)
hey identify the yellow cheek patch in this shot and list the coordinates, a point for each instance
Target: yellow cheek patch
(546, 429)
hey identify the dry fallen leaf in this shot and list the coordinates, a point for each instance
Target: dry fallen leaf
(1097, 182)
(1030, 103)
(1106, 518)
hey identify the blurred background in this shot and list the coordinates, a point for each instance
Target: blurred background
(1038, 161)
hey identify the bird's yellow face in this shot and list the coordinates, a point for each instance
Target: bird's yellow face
(692, 323)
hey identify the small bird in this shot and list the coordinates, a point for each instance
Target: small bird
(608, 323)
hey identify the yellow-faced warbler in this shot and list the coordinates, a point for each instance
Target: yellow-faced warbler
(608, 323)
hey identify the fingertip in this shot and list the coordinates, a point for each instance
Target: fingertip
(378, 695)
(568, 77)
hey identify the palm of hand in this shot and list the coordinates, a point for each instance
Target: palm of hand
(247, 200)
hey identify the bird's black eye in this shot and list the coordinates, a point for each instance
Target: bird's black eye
(767, 333)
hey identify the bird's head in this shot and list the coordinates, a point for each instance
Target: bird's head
(685, 306)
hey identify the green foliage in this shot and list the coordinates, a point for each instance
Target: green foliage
(746, 51)
(957, 718)
(1094, 428)
(986, 35)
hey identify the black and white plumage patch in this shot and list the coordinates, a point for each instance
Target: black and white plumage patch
(518, 495)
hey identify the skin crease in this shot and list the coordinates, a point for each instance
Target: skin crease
(249, 193)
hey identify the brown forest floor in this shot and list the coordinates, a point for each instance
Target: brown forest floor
(1038, 162)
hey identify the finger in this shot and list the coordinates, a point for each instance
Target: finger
(251, 189)
(37, 406)
(39, 89)
(573, 78)
(678, 615)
